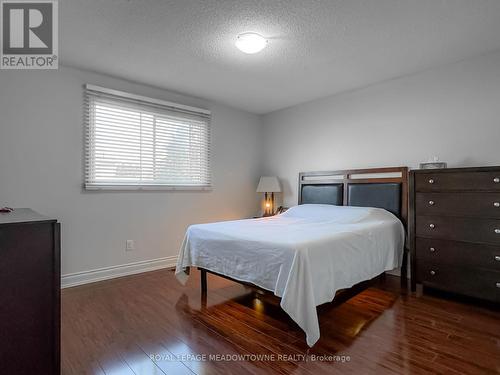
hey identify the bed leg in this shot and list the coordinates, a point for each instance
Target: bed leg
(404, 271)
(419, 290)
(203, 281)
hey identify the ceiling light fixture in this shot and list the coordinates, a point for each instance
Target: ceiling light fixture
(251, 43)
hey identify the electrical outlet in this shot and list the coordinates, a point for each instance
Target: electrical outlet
(130, 245)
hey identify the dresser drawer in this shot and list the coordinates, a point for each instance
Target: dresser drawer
(457, 181)
(486, 205)
(468, 281)
(459, 229)
(458, 254)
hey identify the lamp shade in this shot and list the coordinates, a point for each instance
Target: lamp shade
(269, 184)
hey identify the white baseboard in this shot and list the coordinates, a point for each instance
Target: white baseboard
(91, 276)
(394, 272)
(397, 271)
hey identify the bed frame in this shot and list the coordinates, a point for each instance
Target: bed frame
(375, 187)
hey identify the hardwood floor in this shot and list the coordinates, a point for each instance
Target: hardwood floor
(150, 324)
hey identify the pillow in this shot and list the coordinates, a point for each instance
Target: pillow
(329, 212)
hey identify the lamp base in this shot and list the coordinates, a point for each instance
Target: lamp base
(269, 205)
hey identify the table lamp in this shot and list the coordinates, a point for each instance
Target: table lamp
(269, 184)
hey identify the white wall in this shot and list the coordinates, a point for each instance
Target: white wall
(41, 145)
(452, 112)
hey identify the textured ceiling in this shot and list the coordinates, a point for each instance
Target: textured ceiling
(317, 48)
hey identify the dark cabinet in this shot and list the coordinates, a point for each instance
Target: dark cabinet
(29, 293)
(455, 230)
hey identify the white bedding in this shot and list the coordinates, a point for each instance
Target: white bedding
(304, 255)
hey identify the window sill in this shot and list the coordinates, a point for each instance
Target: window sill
(146, 188)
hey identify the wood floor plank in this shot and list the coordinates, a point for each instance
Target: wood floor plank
(150, 324)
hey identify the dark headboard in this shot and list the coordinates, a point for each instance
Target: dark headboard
(376, 187)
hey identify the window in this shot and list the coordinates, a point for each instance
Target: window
(133, 142)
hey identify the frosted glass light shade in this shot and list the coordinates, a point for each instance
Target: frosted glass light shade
(251, 43)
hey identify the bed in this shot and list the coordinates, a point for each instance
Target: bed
(348, 227)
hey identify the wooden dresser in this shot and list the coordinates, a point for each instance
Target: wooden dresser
(455, 230)
(29, 294)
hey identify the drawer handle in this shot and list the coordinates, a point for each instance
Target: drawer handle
(434, 272)
(496, 180)
(431, 203)
(431, 181)
(497, 258)
(432, 249)
(497, 231)
(498, 285)
(432, 226)
(496, 204)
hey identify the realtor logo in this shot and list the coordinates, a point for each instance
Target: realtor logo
(29, 34)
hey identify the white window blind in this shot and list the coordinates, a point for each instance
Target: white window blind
(133, 142)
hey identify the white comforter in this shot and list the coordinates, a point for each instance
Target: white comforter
(304, 255)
